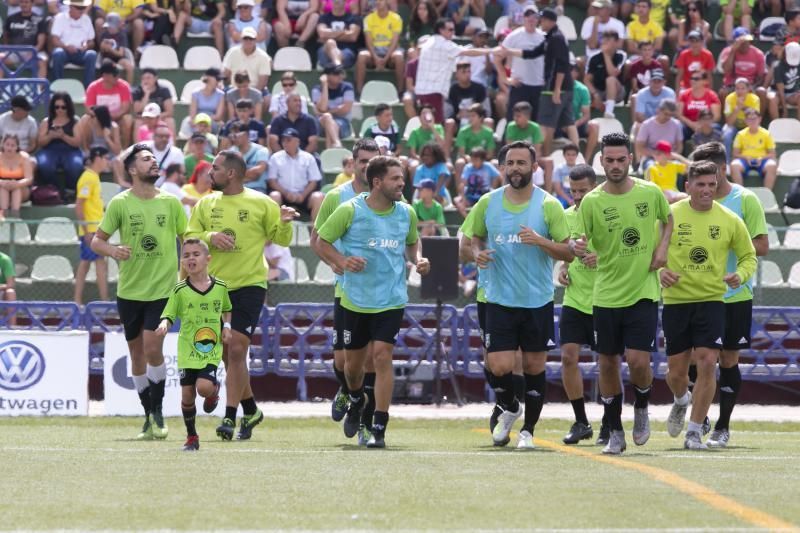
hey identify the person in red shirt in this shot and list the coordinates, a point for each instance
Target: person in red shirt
(691, 102)
(115, 94)
(638, 70)
(743, 60)
(696, 58)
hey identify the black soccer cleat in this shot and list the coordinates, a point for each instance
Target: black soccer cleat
(352, 419)
(248, 423)
(493, 418)
(377, 440)
(578, 432)
(225, 430)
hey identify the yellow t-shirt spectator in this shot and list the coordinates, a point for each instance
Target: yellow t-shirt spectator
(754, 145)
(382, 30)
(341, 179)
(666, 176)
(192, 192)
(122, 7)
(639, 32)
(750, 101)
(89, 190)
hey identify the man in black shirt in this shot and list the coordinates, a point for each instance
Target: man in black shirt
(463, 93)
(338, 33)
(603, 74)
(27, 28)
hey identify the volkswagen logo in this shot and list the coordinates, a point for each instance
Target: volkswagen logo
(21, 365)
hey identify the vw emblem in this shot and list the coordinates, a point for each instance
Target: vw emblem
(21, 365)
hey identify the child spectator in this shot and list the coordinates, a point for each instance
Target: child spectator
(16, 176)
(113, 46)
(478, 177)
(89, 212)
(347, 173)
(561, 175)
(754, 151)
(707, 131)
(474, 135)
(429, 212)
(665, 169)
(280, 261)
(434, 168)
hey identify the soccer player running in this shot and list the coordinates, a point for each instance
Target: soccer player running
(149, 222)
(738, 302)
(377, 231)
(236, 225)
(620, 220)
(575, 324)
(203, 305)
(695, 282)
(363, 151)
(517, 232)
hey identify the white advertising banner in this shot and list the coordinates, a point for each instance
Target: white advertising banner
(44, 373)
(120, 394)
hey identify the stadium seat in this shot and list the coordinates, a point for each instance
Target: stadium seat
(500, 130)
(567, 27)
(772, 235)
(190, 87)
(301, 271)
(323, 274)
(302, 236)
(171, 87)
(598, 168)
(20, 269)
(500, 25)
(770, 275)
(608, 125)
(767, 199)
(766, 23)
(202, 58)
(159, 57)
(557, 157)
(22, 234)
(52, 268)
(791, 241)
(794, 276)
(56, 230)
(74, 88)
(113, 271)
(185, 129)
(789, 163)
(412, 124)
(376, 92)
(332, 159)
(292, 58)
(301, 88)
(785, 130)
(108, 191)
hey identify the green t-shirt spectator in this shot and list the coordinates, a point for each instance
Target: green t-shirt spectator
(532, 134)
(7, 266)
(469, 139)
(434, 212)
(420, 137)
(190, 161)
(580, 98)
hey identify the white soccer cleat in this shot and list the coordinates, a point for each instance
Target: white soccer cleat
(719, 438)
(641, 426)
(525, 441)
(616, 443)
(693, 441)
(504, 423)
(677, 417)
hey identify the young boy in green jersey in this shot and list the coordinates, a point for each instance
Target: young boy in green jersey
(203, 305)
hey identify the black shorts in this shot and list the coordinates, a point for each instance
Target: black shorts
(361, 328)
(555, 116)
(338, 324)
(189, 376)
(738, 325)
(617, 329)
(136, 315)
(576, 327)
(524, 93)
(693, 325)
(510, 328)
(482, 318)
(247, 303)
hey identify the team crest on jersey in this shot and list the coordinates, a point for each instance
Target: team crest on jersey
(217, 306)
(161, 220)
(713, 232)
(244, 215)
(642, 209)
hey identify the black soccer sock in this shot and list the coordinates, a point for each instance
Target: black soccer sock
(504, 392)
(369, 408)
(520, 386)
(579, 408)
(156, 395)
(380, 421)
(230, 412)
(189, 414)
(249, 406)
(730, 381)
(612, 407)
(535, 387)
(604, 420)
(144, 397)
(490, 379)
(692, 376)
(642, 396)
(357, 396)
(341, 379)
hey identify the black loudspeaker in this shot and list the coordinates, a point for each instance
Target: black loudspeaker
(441, 283)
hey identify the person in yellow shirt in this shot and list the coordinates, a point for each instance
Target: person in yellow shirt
(642, 28)
(347, 173)
(130, 11)
(754, 150)
(664, 172)
(89, 212)
(200, 183)
(736, 103)
(382, 30)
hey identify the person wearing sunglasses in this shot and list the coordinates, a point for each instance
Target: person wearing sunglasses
(59, 144)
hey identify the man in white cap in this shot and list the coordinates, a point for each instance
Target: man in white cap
(787, 82)
(247, 56)
(72, 37)
(593, 28)
(247, 17)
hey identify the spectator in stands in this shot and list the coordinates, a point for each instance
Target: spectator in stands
(165, 152)
(27, 28)
(463, 93)
(662, 127)
(478, 177)
(300, 122)
(736, 105)
(277, 105)
(733, 11)
(382, 31)
(244, 115)
(787, 83)
(202, 125)
(209, 99)
(174, 181)
(246, 19)
(8, 284)
(15, 6)
(16, 176)
(481, 65)
(434, 167)
(295, 17)
(72, 40)
(429, 212)
(159, 24)
(561, 184)
(115, 94)
(792, 18)
(196, 153)
(149, 122)
(639, 70)
(474, 135)
(694, 101)
(294, 176)
(643, 28)
(88, 213)
(338, 33)
(150, 91)
(281, 263)
(333, 99)
(693, 21)
(772, 59)
(582, 111)
(112, 45)
(243, 91)
(202, 16)
(743, 60)
(665, 169)
(385, 126)
(754, 151)
(129, 18)
(527, 76)
(707, 131)
(347, 173)
(422, 20)
(256, 157)
(522, 128)
(428, 131)
(247, 56)
(604, 73)
(59, 144)
(18, 121)
(594, 28)
(200, 183)
(695, 59)
(409, 99)
(645, 103)
(98, 129)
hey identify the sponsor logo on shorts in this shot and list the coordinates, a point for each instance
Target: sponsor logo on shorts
(488, 341)
(347, 337)
(21, 365)
(550, 343)
(714, 232)
(642, 209)
(181, 373)
(335, 337)
(718, 341)
(743, 341)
